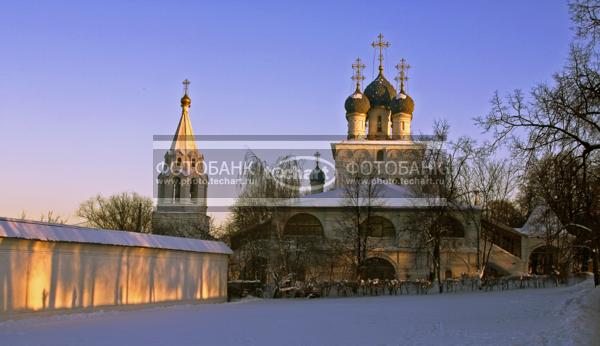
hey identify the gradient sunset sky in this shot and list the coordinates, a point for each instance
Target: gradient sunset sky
(85, 85)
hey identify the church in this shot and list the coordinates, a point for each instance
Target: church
(315, 226)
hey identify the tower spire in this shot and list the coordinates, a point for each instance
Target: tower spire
(184, 139)
(380, 44)
(402, 77)
(357, 66)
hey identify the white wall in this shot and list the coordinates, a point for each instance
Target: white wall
(38, 276)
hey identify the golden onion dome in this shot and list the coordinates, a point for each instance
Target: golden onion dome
(186, 101)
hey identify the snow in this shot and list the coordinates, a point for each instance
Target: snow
(389, 195)
(538, 222)
(551, 316)
(12, 228)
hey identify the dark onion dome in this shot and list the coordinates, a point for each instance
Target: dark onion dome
(402, 103)
(317, 175)
(186, 101)
(380, 91)
(357, 103)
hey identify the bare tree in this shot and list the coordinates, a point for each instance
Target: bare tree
(124, 212)
(444, 194)
(361, 195)
(562, 117)
(48, 217)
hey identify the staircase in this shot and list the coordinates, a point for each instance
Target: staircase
(506, 262)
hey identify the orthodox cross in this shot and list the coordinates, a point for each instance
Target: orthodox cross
(381, 45)
(186, 84)
(317, 155)
(402, 77)
(358, 77)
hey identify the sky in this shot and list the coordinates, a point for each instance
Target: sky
(84, 86)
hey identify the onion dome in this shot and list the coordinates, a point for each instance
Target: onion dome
(186, 101)
(357, 103)
(402, 103)
(317, 176)
(380, 92)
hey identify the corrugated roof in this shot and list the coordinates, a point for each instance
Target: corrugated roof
(23, 229)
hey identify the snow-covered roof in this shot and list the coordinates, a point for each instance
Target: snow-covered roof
(22, 229)
(388, 196)
(541, 220)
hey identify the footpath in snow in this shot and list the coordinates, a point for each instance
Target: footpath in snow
(550, 316)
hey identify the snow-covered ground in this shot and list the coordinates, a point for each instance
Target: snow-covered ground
(552, 316)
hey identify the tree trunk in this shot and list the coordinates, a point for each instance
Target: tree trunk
(595, 254)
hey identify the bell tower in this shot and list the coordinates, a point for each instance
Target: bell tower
(182, 184)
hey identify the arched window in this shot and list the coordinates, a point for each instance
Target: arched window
(179, 162)
(193, 164)
(451, 227)
(379, 125)
(380, 227)
(303, 225)
(380, 155)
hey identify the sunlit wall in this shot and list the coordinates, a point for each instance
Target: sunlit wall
(52, 276)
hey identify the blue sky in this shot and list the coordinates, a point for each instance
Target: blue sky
(85, 85)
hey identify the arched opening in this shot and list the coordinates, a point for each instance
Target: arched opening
(177, 189)
(448, 274)
(303, 225)
(161, 186)
(543, 260)
(194, 190)
(451, 227)
(179, 162)
(380, 155)
(379, 227)
(377, 268)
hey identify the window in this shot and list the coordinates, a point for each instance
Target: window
(303, 225)
(451, 227)
(380, 227)
(380, 155)
(379, 125)
(179, 162)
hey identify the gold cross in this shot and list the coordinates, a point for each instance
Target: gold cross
(186, 84)
(402, 77)
(380, 44)
(357, 66)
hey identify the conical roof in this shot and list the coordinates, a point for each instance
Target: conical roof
(184, 139)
